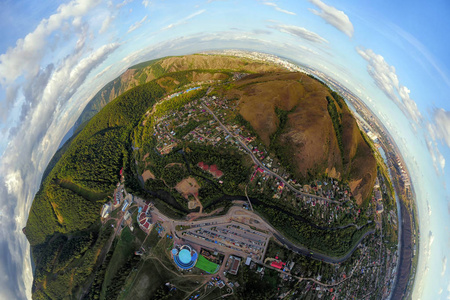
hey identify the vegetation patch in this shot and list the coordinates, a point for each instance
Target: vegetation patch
(206, 265)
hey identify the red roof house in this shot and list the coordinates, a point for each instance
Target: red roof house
(277, 264)
(203, 166)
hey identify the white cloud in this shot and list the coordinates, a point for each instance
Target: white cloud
(439, 130)
(274, 5)
(436, 156)
(27, 154)
(333, 16)
(184, 20)
(444, 265)
(442, 125)
(299, 32)
(386, 79)
(123, 3)
(39, 102)
(25, 57)
(137, 25)
(145, 3)
(105, 24)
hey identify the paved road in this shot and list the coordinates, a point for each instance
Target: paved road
(262, 166)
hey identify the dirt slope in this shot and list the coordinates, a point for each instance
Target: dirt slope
(308, 140)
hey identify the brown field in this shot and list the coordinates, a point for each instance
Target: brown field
(308, 139)
(147, 175)
(188, 186)
(204, 76)
(215, 62)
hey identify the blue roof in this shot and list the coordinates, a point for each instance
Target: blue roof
(185, 256)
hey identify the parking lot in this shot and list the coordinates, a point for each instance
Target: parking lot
(231, 237)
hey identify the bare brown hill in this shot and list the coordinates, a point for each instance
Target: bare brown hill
(312, 140)
(147, 71)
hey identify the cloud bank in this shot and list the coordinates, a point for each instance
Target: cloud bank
(442, 125)
(25, 57)
(277, 8)
(333, 16)
(386, 79)
(300, 32)
(46, 101)
(184, 20)
(137, 25)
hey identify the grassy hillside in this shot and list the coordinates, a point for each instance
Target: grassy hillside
(309, 127)
(150, 70)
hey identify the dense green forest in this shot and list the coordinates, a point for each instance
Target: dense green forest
(330, 242)
(68, 202)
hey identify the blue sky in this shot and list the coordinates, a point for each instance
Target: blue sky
(55, 55)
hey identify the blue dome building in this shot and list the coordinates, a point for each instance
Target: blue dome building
(184, 257)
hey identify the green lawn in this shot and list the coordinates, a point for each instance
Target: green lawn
(206, 265)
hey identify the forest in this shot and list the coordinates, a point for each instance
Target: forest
(61, 226)
(330, 242)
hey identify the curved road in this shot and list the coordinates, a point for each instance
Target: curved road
(262, 166)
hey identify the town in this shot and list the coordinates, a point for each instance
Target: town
(219, 246)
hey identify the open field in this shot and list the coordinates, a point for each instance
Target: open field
(147, 175)
(124, 249)
(155, 271)
(188, 186)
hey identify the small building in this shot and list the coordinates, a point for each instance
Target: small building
(291, 266)
(125, 205)
(184, 257)
(378, 196)
(377, 183)
(234, 267)
(248, 261)
(144, 219)
(106, 210)
(380, 208)
(277, 264)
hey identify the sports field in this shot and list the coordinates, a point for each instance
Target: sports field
(206, 265)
